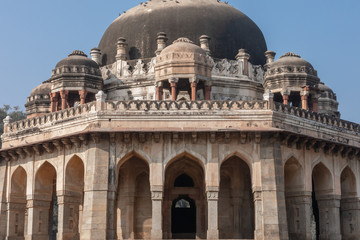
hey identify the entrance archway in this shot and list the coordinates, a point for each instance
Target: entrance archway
(183, 218)
(184, 205)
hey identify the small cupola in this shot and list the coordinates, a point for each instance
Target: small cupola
(75, 80)
(183, 68)
(292, 80)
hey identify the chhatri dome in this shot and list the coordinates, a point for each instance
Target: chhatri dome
(228, 28)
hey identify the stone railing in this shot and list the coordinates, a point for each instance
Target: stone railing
(63, 115)
(183, 107)
(121, 106)
(318, 117)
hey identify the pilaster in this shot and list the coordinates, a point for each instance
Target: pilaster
(3, 183)
(94, 224)
(157, 198)
(329, 217)
(212, 194)
(350, 218)
(270, 208)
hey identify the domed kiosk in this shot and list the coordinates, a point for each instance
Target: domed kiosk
(229, 29)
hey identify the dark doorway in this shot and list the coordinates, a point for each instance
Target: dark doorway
(183, 220)
(315, 209)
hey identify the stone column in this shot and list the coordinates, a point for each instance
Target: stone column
(159, 91)
(54, 101)
(350, 218)
(94, 224)
(82, 94)
(270, 207)
(212, 194)
(157, 198)
(38, 219)
(64, 99)
(173, 83)
(244, 57)
(68, 215)
(298, 212)
(111, 215)
(15, 220)
(3, 182)
(193, 84)
(315, 104)
(207, 94)
(304, 98)
(329, 217)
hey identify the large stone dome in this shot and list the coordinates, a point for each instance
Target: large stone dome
(228, 28)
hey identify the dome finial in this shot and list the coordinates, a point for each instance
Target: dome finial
(290, 54)
(77, 53)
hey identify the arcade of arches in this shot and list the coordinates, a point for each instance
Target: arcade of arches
(185, 197)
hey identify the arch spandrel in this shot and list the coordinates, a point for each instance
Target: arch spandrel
(196, 157)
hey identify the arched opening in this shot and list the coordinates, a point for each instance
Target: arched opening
(183, 218)
(17, 204)
(74, 199)
(348, 214)
(46, 211)
(184, 205)
(322, 187)
(236, 205)
(296, 200)
(134, 215)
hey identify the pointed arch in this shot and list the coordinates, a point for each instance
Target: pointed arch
(44, 179)
(236, 206)
(19, 183)
(74, 175)
(133, 154)
(241, 155)
(348, 183)
(293, 175)
(134, 215)
(195, 157)
(16, 215)
(323, 180)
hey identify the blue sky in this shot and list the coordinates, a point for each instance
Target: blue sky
(35, 35)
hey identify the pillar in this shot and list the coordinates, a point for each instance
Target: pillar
(111, 214)
(3, 184)
(304, 98)
(299, 210)
(159, 91)
(157, 198)
(244, 57)
(15, 220)
(82, 94)
(268, 188)
(38, 219)
(285, 95)
(315, 105)
(64, 99)
(350, 218)
(94, 224)
(193, 84)
(68, 216)
(212, 194)
(329, 217)
(173, 83)
(207, 94)
(54, 101)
